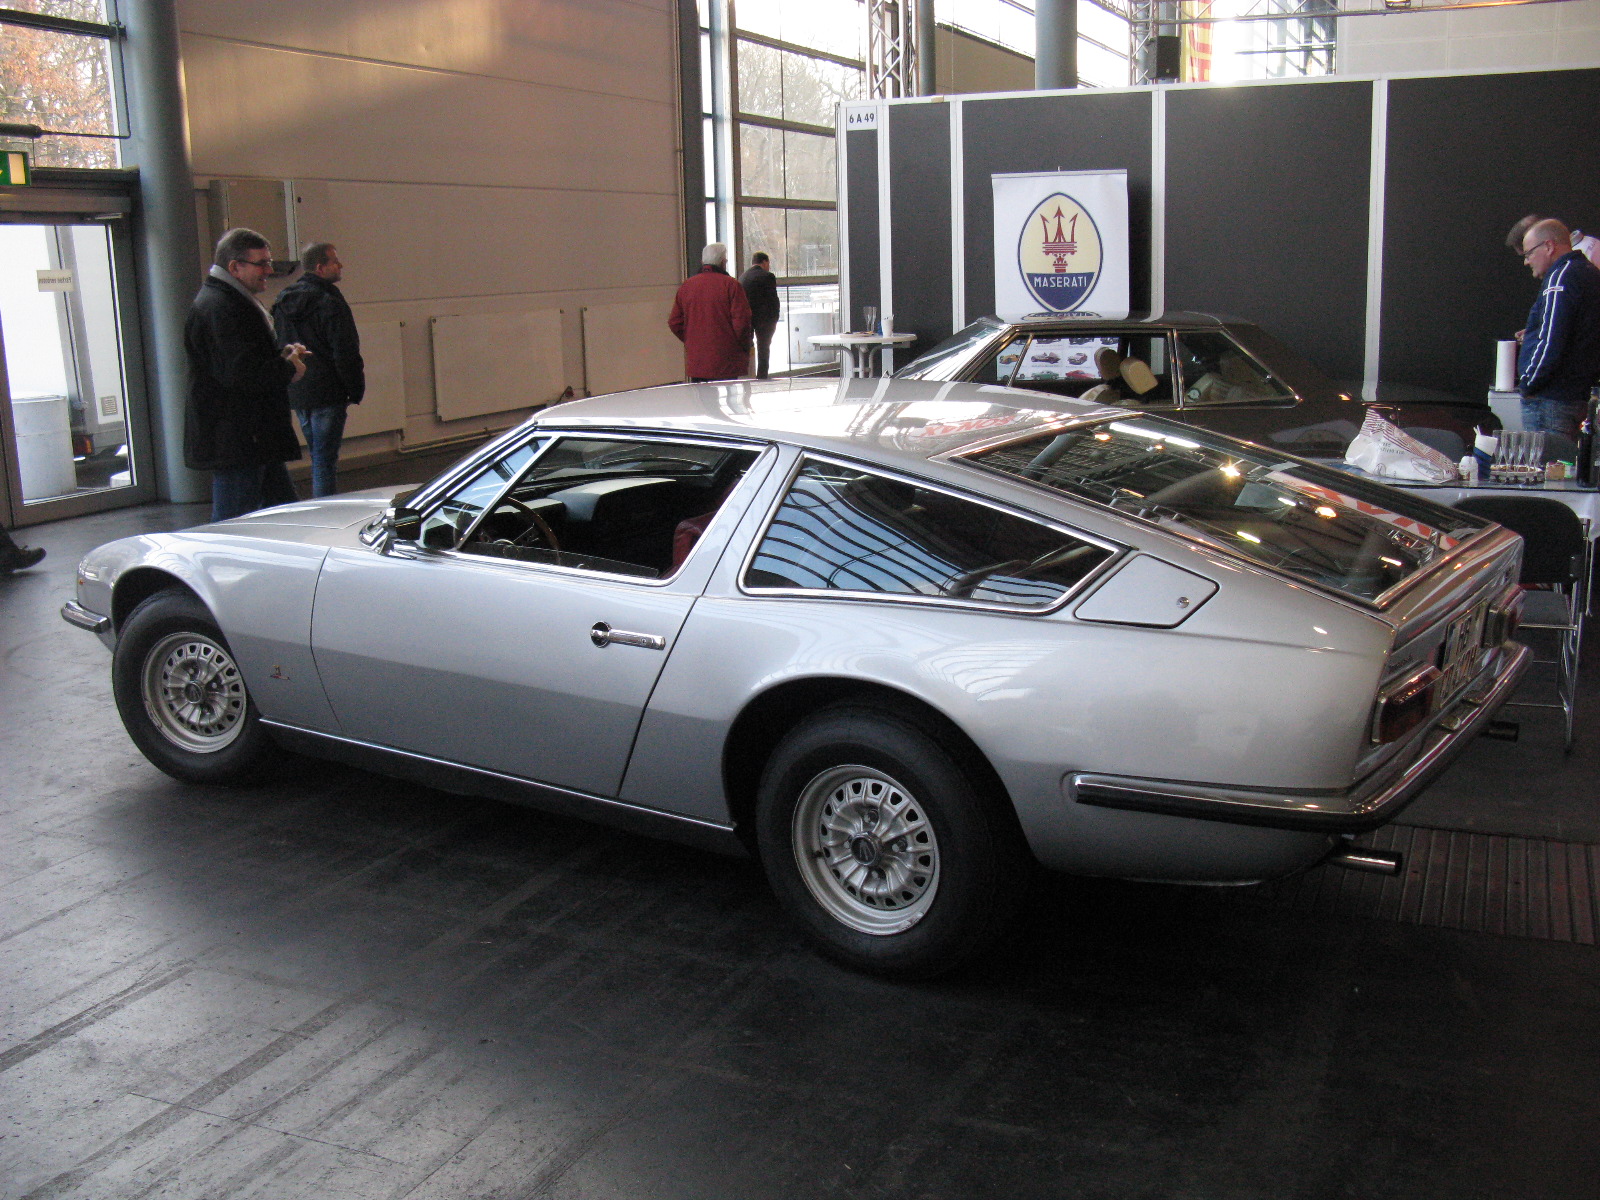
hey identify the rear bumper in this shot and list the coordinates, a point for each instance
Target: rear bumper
(1374, 801)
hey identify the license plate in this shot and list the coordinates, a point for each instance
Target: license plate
(1463, 651)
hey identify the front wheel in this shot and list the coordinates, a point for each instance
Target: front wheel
(890, 856)
(181, 695)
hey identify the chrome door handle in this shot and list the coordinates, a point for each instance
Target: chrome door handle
(603, 635)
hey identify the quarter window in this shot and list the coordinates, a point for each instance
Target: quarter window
(444, 526)
(845, 530)
(1217, 372)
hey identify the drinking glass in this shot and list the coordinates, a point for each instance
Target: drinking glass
(871, 313)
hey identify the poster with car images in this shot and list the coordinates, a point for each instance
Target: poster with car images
(1061, 242)
(1059, 357)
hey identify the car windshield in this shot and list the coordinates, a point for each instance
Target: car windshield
(1314, 523)
(956, 347)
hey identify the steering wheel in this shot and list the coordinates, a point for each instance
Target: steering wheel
(536, 525)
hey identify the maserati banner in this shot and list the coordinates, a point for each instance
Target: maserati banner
(1061, 242)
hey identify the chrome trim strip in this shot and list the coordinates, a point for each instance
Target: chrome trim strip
(76, 614)
(1374, 801)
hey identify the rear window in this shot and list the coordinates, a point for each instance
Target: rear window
(1313, 523)
(841, 529)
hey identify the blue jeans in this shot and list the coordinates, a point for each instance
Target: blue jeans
(324, 430)
(238, 490)
(1553, 415)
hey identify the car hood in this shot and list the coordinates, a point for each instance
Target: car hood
(331, 512)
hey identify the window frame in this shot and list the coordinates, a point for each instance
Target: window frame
(555, 436)
(1116, 551)
(1289, 399)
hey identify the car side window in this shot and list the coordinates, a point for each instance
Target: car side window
(1217, 372)
(841, 529)
(625, 506)
(445, 524)
(1126, 369)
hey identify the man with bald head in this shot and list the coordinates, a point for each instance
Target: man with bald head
(1560, 357)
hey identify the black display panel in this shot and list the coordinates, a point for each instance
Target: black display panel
(1467, 156)
(1091, 131)
(1267, 212)
(919, 215)
(861, 198)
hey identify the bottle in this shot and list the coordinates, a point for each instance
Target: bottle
(1585, 463)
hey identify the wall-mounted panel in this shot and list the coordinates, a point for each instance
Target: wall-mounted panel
(919, 165)
(321, 117)
(630, 346)
(1091, 131)
(1268, 222)
(594, 46)
(862, 205)
(496, 362)
(1468, 156)
(383, 408)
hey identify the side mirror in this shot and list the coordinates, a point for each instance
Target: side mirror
(405, 524)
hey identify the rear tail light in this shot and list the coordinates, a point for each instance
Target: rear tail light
(1505, 614)
(1404, 705)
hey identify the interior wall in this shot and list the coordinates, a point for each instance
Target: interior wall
(466, 156)
(1486, 39)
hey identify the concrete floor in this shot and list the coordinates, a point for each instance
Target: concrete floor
(338, 986)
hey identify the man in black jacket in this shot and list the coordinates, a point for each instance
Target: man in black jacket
(236, 424)
(761, 289)
(313, 312)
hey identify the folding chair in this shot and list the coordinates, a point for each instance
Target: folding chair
(1556, 565)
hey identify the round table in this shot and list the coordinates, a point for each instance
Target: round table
(856, 349)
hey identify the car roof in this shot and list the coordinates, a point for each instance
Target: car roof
(1178, 318)
(908, 419)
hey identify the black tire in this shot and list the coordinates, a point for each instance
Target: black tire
(926, 865)
(181, 696)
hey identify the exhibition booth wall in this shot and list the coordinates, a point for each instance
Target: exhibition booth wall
(1361, 220)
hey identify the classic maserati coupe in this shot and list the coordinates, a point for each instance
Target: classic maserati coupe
(904, 641)
(1219, 373)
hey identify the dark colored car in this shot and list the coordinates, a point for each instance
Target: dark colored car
(1216, 372)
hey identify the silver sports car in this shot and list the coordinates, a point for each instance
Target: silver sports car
(902, 640)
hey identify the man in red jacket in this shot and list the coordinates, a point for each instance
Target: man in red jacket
(711, 317)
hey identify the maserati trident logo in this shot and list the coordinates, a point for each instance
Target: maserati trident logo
(1058, 253)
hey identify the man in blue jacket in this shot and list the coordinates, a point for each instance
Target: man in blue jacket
(1560, 357)
(313, 312)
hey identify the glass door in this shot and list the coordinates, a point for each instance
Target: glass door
(72, 412)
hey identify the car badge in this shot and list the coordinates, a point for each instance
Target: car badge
(1059, 253)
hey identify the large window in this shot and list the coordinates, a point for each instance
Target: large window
(773, 75)
(1103, 37)
(56, 72)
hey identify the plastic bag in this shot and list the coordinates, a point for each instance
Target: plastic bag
(1382, 449)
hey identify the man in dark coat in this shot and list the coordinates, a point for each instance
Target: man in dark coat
(761, 289)
(313, 312)
(236, 424)
(711, 317)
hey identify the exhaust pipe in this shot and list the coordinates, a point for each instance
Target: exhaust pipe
(1357, 858)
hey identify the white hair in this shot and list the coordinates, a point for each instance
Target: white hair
(714, 255)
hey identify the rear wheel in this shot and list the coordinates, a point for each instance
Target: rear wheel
(181, 695)
(889, 854)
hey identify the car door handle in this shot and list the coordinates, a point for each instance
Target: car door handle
(603, 635)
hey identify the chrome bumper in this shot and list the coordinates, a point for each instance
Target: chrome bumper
(74, 613)
(1374, 801)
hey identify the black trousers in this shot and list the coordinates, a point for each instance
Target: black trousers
(764, 348)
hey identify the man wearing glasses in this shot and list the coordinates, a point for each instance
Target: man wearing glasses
(237, 422)
(1560, 357)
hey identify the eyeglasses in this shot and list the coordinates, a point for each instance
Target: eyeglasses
(265, 263)
(1527, 254)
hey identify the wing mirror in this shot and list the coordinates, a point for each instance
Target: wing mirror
(397, 524)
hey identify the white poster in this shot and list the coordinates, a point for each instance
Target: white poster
(1061, 242)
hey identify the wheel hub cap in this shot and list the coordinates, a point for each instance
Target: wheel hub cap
(865, 849)
(194, 693)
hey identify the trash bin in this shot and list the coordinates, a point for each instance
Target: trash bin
(44, 446)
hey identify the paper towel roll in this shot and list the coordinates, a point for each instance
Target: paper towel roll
(1505, 366)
